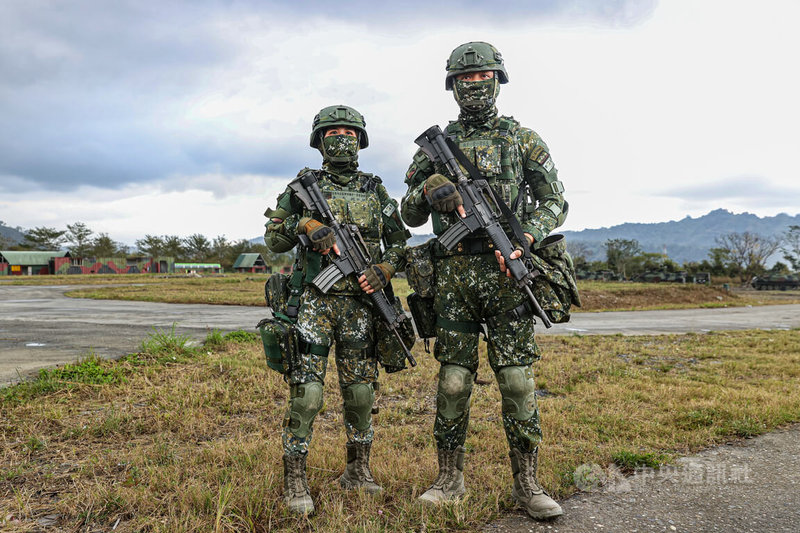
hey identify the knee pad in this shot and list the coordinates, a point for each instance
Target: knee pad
(358, 400)
(455, 388)
(519, 391)
(304, 405)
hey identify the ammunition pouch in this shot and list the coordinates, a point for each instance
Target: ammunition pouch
(424, 315)
(390, 354)
(419, 269)
(556, 288)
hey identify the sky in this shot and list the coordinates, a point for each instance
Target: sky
(143, 117)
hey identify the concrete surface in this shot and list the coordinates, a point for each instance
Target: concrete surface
(40, 327)
(750, 485)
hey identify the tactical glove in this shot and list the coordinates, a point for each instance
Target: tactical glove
(378, 276)
(321, 236)
(442, 193)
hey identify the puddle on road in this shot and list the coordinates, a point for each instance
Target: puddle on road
(577, 330)
(35, 344)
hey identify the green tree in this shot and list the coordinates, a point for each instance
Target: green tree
(79, 236)
(219, 248)
(791, 246)
(620, 254)
(151, 245)
(748, 252)
(105, 246)
(173, 247)
(44, 238)
(198, 247)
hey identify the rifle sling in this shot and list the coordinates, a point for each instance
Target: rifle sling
(510, 217)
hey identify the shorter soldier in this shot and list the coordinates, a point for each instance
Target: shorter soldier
(344, 314)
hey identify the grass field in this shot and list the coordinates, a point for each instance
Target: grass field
(178, 439)
(243, 289)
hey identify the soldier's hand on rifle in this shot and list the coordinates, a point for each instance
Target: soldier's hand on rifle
(514, 255)
(443, 195)
(321, 236)
(376, 277)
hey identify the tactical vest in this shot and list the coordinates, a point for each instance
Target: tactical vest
(356, 202)
(496, 154)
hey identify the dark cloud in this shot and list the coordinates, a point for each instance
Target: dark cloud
(754, 191)
(95, 92)
(615, 13)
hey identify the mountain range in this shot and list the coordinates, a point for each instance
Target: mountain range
(688, 239)
(685, 240)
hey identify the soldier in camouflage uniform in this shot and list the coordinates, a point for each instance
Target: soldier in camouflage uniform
(470, 290)
(344, 315)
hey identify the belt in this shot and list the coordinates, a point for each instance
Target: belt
(467, 246)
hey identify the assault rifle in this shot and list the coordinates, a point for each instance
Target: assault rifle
(354, 255)
(482, 210)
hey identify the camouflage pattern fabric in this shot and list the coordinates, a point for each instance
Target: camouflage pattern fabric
(347, 321)
(471, 288)
(373, 211)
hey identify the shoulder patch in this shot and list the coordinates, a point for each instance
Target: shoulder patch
(548, 165)
(389, 209)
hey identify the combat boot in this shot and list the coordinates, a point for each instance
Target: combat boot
(449, 485)
(526, 492)
(357, 474)
(295, 486)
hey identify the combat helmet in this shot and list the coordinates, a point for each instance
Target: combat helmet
(474, 57)
(338, 115)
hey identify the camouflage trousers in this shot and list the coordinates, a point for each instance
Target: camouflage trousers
(346, 321)
(471, 289)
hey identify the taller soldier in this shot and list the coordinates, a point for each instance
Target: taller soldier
(470, 290)
(343, 315)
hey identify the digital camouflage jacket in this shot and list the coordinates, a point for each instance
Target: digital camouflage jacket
(512, 158)
(355, 198)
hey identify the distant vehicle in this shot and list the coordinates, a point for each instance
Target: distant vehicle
(776, 282)
(598, 275)
(656, 276)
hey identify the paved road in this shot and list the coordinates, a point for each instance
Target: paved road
(41, 327)
(751, 485)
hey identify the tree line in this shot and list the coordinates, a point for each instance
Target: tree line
(736, 255)
(81, 241)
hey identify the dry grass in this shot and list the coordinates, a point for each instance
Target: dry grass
(186, 440)
(240, 289)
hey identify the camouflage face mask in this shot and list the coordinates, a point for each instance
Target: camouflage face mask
(340, 149)
(476, 96)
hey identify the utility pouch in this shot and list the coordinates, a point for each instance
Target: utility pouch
(419, 269)
(278, 333)
(556, 289)
(390, 354)
(424, 315)
(279, 337)
(276, 292)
